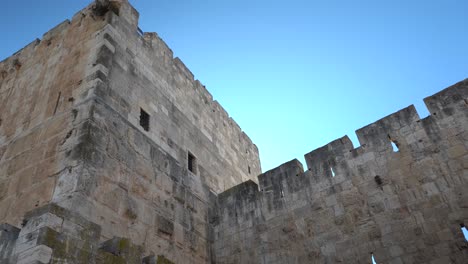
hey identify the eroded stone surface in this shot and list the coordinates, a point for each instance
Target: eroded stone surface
(109, 146)
(402, 207)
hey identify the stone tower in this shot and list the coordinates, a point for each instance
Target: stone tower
(104, 132)
(111, 152)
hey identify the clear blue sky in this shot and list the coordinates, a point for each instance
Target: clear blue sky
(294, 74)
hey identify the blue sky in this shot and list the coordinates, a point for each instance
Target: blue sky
(294, 74)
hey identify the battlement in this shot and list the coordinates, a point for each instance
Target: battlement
(101, 119)
(403, 128)
(347, 192)
(112, 152)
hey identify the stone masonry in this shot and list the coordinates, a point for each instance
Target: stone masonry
(111, 152)
(403, 206)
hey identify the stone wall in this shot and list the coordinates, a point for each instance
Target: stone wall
(51, 234)
(79, 166)
(143, 75)
(403, 206)
(78, 142)
(40, 90)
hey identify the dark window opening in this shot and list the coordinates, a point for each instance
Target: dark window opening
(464, 231)
(144, 120)
(192, 163)
(249, 170)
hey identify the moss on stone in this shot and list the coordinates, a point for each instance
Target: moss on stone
(163, 260)
(108, 258)
(124, 245)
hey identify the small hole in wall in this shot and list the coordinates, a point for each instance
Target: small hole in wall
(250, 171)
(378, 180)
(373, 259)
(395, 146)
(464, 231)
(144, 120)
(394, 143)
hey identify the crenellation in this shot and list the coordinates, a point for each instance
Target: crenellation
(327, 160)
(369, 193)
(181, 66)
(116, 151)
(452, 96)
(379, 135)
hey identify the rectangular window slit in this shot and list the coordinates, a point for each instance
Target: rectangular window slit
(249, 170)
(144, 120)
(192, 163)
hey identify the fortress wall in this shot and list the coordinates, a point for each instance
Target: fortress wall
(135, 183)
(184, 117)
(81, 146)
(39, 111)
(132, 188)
(71, 143)
(402, 207)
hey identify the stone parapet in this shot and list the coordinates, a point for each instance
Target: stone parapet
(401, 204)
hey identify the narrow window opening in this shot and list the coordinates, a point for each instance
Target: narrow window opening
(394, 143)
(373, 259)
(332, 171)
(144, 120)
(250, 171)
(464, 231)
(192, 163)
